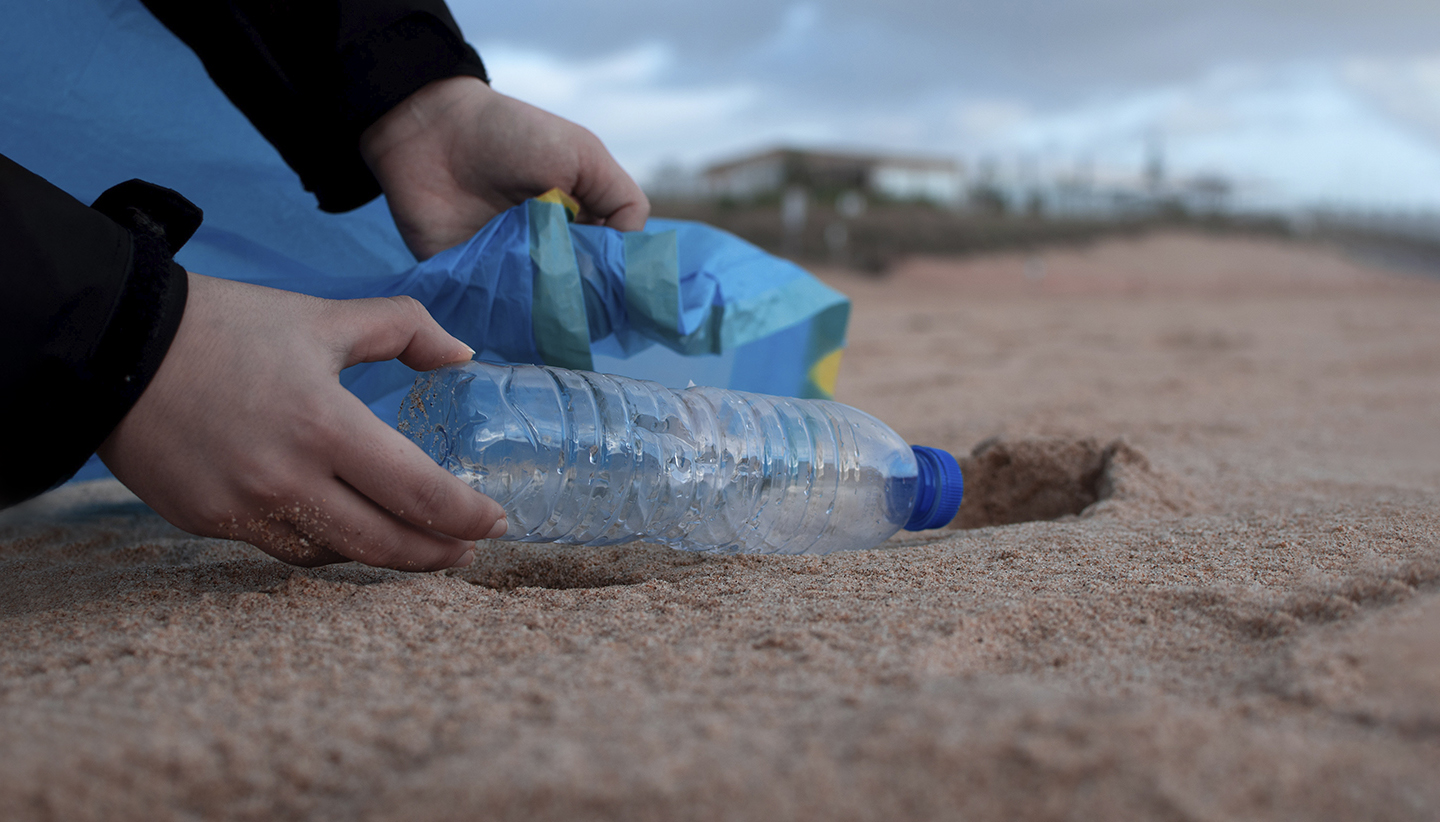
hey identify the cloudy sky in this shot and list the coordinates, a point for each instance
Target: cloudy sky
(1300, 101)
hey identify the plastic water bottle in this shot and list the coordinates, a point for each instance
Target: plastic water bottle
(591, 459)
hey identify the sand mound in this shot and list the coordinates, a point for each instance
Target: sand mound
(1044, 478)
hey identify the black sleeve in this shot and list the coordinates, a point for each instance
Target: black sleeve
(311, 76)
(90, 300)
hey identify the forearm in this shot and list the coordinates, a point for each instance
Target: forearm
(313, 77)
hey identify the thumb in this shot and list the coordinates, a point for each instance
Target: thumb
(388, 328)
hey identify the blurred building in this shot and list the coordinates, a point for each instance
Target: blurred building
(892, 177)
(673, 181)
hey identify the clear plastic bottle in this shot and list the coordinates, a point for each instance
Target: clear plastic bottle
(591, 459)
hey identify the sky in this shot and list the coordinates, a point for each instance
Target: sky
(1300, 102)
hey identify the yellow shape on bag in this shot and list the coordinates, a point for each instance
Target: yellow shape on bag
(559, 197)
(826, 371)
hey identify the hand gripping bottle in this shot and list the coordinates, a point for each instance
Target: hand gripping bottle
(590, 459)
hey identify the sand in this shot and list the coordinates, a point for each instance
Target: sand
(1236, 614)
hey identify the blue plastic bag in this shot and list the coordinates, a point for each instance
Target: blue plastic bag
(678, 303)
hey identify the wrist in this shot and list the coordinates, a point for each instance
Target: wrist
(421, 118)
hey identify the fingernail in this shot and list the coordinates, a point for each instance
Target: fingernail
(498, 529)
(471, 350)
(464, 560)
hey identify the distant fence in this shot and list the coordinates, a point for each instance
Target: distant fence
(1412, 225)
(880, 235)
(1404, 241)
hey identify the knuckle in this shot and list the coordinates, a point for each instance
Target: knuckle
(276, 504)
(206, 519)
(316, 427)
(258, 484)
(332, 314)
(586, 135)
(386, 551)
(410, 307)
(431, 497)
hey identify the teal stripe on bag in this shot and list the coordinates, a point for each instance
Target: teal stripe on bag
(558, 320)
(652, 301)
(652, 282)
(796, 301)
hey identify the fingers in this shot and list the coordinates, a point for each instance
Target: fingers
(381, 464)
(630, 217)
(273, 533)
(608, 195)
(338, 524)
(244, 430)
(392, 328)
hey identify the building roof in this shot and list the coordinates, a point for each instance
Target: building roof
(833, 159)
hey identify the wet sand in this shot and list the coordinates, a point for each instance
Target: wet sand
(1236, 615)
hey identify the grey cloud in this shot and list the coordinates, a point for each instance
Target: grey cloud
(1045, 51)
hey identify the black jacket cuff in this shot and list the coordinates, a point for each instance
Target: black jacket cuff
(311, 77)
(73, 403)
(150, 307)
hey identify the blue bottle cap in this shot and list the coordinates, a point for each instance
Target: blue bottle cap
(941, 488)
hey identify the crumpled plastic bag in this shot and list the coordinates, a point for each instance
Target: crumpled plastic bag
(533, 287)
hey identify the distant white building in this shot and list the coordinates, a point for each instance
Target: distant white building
(936, 180)
(914, 178)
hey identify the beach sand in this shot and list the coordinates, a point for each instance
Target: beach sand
(1236, 615)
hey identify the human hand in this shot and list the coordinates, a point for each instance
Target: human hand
(456, 153)
(246, 433)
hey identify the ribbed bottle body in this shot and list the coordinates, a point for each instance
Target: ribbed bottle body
(591, 459)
